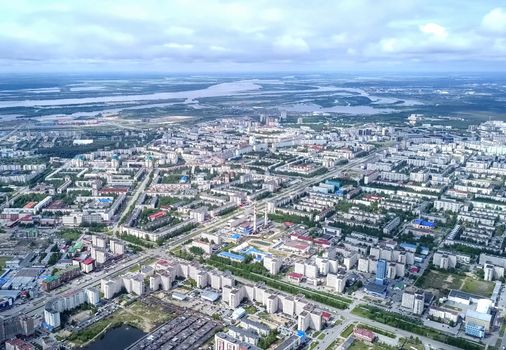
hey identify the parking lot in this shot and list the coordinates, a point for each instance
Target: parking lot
(185, 332)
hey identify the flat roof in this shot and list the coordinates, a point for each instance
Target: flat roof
(376, 288)
(463, 295)
(179, 296)
(231, 256)
(478, 315)
(210, 295)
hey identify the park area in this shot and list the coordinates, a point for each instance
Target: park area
(139, 314)
(446, 280)
(406, 344)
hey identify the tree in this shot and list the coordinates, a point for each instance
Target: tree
(196, 250)
(266, 341)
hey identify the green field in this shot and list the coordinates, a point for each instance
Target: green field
(348, 330)
(359, 345)
(483, 288)
(445, 280)
(413, 325)
(3, 259)
(70, 234)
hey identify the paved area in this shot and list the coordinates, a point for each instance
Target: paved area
(185, 332)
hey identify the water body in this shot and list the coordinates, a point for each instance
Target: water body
(218, 90)
(312, 107)
(117, 339)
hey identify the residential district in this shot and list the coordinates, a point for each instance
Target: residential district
(270, 232)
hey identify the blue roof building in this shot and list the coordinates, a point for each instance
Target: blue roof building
(381, 272)
(425, 223)
(333, 182)
(474, 330)
(376, 290)
(232, 256)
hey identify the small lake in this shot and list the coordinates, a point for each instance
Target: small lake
(117, 339)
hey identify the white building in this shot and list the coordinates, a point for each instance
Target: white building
(272, 264)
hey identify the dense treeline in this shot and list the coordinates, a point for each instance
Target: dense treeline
(412, 325)
(70, 151)
(292, 218)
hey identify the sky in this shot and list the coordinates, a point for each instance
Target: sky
(252, 35)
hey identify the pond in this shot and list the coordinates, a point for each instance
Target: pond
(117, 339)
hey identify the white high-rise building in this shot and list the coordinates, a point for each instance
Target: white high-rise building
(272, 264)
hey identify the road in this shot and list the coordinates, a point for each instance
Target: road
(141, 188)
(37, 306)
(5, 137)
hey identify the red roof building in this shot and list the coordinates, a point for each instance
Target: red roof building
(157, 215)
(326, 315)
(18, 344)
(30, 205)
(414, 269)
(113, 190)
(88, 261)
(364, 334)
(322, 242)
(297, 277)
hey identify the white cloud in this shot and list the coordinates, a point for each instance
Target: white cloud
(434, 30)
(178, 46)
(389, 45)
(495, 20)
(291, 44)
(340, 38)
(254, 33)
(179, 31)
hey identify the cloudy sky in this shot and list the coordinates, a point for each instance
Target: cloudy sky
(252, 35)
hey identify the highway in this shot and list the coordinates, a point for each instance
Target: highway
(141, 188)
(36, 306)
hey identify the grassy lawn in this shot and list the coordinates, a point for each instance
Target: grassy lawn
(442, 280)
(445, 280)
(69, 234)
(412, 325)
(412, 344)
(359, 345)
(334, 344)
(264, 315)
(313, 345)
(148, 261)
(3, 259)
(483, 288)
(348, 330)
(377, 330)
(250, 309)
